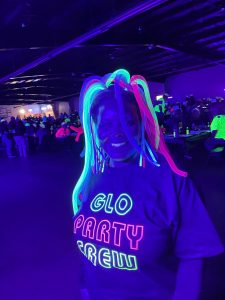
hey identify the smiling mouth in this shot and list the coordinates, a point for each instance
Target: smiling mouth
(118, 144)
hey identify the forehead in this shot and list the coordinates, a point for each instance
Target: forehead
(112, 109)
(107, 104)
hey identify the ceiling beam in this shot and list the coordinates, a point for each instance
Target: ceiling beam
(130, 13)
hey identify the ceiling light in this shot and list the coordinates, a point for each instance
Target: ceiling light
(22, 111)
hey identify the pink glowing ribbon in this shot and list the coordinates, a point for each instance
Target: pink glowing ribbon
(154, 134)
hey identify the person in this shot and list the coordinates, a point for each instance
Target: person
(41, 134)
(7, 138)
(63, 136)
(30, 136)
(12, 125)
(19, 137)
(160, 108)
(63, 131)
(216, 142)
(140, 227)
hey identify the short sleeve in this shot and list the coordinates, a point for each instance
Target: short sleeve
(196, 236)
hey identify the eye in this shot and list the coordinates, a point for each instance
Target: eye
(105, 124)
(131, 121)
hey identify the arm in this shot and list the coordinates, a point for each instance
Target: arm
(78, 130)
(196, 238)
(73, 128)
(188, 282)
(83, 291)
(58, 133)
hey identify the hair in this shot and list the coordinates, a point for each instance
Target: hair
(122, 87)
(107, 96)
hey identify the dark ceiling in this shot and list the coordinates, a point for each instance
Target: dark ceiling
(170, 37)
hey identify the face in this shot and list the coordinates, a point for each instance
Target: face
(110, 132)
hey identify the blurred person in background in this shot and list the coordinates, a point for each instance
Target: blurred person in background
(7, 138)
(216, 142)
(19, 137)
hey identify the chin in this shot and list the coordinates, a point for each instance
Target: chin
(128, 157)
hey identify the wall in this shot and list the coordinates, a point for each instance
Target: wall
(6, 111)
(208, 82)
(74, 103)
(35, 109)
(64, 107)
(156, 88)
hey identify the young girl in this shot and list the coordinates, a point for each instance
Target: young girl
(139, 224)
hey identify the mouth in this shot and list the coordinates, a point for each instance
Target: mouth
(116, 145)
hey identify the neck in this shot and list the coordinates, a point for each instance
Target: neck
(123, 163)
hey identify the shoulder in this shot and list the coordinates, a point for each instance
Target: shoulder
(162, 175)
(162, 169)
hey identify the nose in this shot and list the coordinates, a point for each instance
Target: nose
(117, 121)
(117, 128)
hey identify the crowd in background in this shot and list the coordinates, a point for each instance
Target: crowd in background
(202, 120)
(191, 113)
(20, 137)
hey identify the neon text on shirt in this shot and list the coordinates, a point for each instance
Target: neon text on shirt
(118, 227)
(103, 231)
(109, 232)
(134, 234)
(122, 205)
(89, 227)
(78, 223)
(107, 258)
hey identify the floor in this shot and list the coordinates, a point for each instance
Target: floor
(37, 257)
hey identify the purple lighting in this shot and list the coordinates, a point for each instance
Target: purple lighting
(167, 48)
(141, 8)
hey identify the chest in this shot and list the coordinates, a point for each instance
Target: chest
(123, 225)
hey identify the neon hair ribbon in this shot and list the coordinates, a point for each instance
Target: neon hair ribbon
(132, 141)
(137, 85)
(154, 134)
